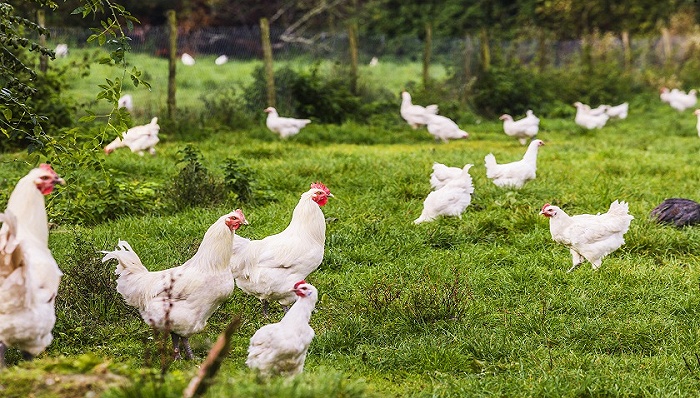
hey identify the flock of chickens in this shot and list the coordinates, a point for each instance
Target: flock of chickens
(181, 299)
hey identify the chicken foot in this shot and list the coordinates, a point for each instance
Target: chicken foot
(265, 307)
(177, 340)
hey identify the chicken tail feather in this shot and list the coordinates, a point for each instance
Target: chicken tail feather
(129, 261)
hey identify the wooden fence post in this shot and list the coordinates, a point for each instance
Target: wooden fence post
(352, 36)
(627, 50)
(41, 21)
(172, 61)
(267, 59)
(427, 53)
(485, 49)
(668, 49)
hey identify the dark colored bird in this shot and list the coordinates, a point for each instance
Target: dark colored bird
(678, 211)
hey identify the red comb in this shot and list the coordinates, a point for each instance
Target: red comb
(545, 206)
(301, 282)
(45, 166)
(319, 185)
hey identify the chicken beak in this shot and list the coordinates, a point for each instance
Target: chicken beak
(59, 180)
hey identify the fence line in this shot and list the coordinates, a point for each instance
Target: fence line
(244, 43)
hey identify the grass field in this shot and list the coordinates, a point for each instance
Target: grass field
(477, 306)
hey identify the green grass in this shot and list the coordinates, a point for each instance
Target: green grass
(205, 77)
(477, 306)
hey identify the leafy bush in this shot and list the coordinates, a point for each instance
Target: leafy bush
(95, 198)
(241, 182)
(327, 98)
(194, 185)
(87, 298)
(507, 89)
(226, 107)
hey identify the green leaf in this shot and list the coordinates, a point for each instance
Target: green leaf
(8, 114)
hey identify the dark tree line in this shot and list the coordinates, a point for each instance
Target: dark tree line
(564, 19)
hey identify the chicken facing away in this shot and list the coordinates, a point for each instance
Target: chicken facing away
(415, 115)
(618, 111)
(138, 138)
(588, 120)
(266, 268)
(29, 275)
(514, 175)
(443, 128)
(449, 200)
(180, 299)
(589, 237)
(280, 348)
(677, 211)
(284, 126)
(522, 129)
(442, 174)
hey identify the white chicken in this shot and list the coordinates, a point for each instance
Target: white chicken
(29, 275)
(665, 94)
(682, 101)
(515, 174)
(180, 299)
(589, 237)
(61, 50)
(284, 126)
(138, 138)
(442, 174)
(443, 128)
(266, 268)
(187, 59)
(127, 102)
(449, 200)
(522, 129)
(220, 60)
(280, 348)
(415, 115)
(678, 99)
(597, 111)
(618, 111)
(587, 120)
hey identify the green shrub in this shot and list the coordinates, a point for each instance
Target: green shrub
(194, 185)
(224, 106)
(95, 198)
(241, 182)
(88, 304)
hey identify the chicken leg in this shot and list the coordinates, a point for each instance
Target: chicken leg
(3, 348)
(576, 258)
(177, 341)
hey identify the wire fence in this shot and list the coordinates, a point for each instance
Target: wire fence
(244, 43)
